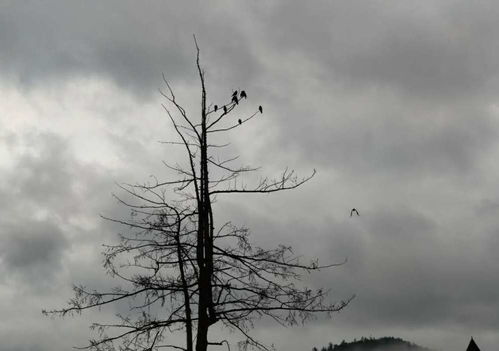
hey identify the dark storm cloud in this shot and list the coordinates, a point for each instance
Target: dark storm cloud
(431, 51)
(414, 149)
(43, 41)
(428, 51)
(406, 89)
(384, 135)
(128, 42)
(32, 249)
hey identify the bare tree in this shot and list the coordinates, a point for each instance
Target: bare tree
(181, 272)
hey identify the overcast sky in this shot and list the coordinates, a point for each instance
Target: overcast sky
(395, 103)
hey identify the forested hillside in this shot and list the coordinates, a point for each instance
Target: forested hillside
(372, 344)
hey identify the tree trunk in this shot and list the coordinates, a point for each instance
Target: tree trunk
(205, 245)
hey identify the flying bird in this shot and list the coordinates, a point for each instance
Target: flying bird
(354, 211)
(243, 94)
(234, 99)
(225, 109)
(260, 108)
(239, 120)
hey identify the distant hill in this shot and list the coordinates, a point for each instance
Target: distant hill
(370, 344)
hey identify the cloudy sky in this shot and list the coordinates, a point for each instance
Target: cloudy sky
(395, 103)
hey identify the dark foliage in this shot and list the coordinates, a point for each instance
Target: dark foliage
(387, 343)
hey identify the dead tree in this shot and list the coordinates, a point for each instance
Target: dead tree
(179, 270)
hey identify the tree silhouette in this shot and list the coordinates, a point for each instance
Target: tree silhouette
(179, 271)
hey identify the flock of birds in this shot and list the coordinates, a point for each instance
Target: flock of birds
(235, 99)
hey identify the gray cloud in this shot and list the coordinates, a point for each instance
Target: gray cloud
(402, 142)
(406, 267)
(51, 237)
(394, 104)
(57, 40)
(34, 249)
(47, 41)
(432, 51)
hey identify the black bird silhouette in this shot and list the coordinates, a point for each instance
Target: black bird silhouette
(225, 109)
(243, 94)
(216, 108)
(234, 99)
(239, 120)
(260, 108)
(234, 93)
(354, 211)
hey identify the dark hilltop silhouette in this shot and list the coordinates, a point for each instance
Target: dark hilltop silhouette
(387, 343)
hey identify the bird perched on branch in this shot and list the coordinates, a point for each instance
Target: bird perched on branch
(225, 109)
(234, 99)
(260, 108)
(240, 121)
(234, 93)
(354, 211)
(215, 108)
(243, 94)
